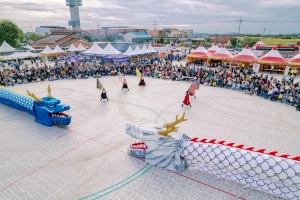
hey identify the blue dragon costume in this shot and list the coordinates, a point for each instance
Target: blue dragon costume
(47, 110)
(267, 172)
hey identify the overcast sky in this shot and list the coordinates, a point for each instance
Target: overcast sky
(208, 16)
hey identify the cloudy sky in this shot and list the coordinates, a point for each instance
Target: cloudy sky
(209, 16)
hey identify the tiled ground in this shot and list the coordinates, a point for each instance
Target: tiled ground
(90, 155)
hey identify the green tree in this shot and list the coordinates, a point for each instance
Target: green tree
(233, 41)
(249, 41)
(161, 40)
(10, 33)
(33, 37)
(88, 38)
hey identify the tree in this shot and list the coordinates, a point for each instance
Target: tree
(233, 41)
(33, 37)
(161, 40)
(88, 38)
(10, 33)
(249, 41)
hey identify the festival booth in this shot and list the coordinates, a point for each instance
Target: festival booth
(72, 48)
(199, 54)
(245, 58)
(45, 53)
(81, 48)
(153, 52)
(129, 53)
(6, 49)
(213, 48)
(109, 49)
(258, 44)
(95, 50)
(115, 58)
(221, 55)
(139, 54)
(148, 54)
(294, 64)
(273, 60)
(26, 54)
(29, 48)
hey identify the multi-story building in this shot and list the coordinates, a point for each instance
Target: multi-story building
(46, 30)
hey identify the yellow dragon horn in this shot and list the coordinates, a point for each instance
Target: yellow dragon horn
(34, 97)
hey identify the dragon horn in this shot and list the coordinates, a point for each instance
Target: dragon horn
(34, 97)
(49, 91)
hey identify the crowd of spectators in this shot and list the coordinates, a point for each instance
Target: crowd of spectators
(245, 80)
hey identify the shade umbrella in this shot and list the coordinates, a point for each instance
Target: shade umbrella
(213, 49)
(273, 57)
(246, 55)
(221, 54)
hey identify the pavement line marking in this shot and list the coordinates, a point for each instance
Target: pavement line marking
(142, 170)
(123, 184)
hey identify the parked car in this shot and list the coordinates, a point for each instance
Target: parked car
(232, 51)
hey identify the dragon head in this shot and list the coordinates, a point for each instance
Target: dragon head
(48, 110)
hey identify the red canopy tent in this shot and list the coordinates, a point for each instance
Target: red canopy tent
(295, 60)
(221, 54)
(199, 54)
(246, 55)
(273, 57)
(213, 49)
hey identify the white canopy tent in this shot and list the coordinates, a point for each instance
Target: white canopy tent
(6, 48)
(29, 48)
(47, 50)
(72, 48)
(57, 49)
(137, 50)
(81, 48)
(94, 50)
(129, 52)
(144, 50)
(26, 54)
(109, 49)
(151, 49)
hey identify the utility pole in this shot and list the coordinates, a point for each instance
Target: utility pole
(154, 30)
(240, 23)
(98, 31)
(240, 20)
(264, 32)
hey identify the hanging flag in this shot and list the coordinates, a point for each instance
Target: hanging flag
(192, 89)
(138, 73)
(99, 85)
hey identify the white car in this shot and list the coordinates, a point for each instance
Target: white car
(232, 51)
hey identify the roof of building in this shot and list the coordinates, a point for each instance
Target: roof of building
(52, 38)
(224, 39)
(140, 33)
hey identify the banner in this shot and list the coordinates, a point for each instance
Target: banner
(286, 71)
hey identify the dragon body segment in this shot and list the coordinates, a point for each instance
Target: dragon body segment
(47, 110)
(277, 175)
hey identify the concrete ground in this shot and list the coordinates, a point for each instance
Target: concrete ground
(89, 160)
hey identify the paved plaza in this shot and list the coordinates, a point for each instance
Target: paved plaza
(89, 158)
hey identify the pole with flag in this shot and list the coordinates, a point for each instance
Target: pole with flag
(99, 85)
(138, 73)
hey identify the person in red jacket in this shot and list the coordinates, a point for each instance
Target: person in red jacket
(186, 100)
